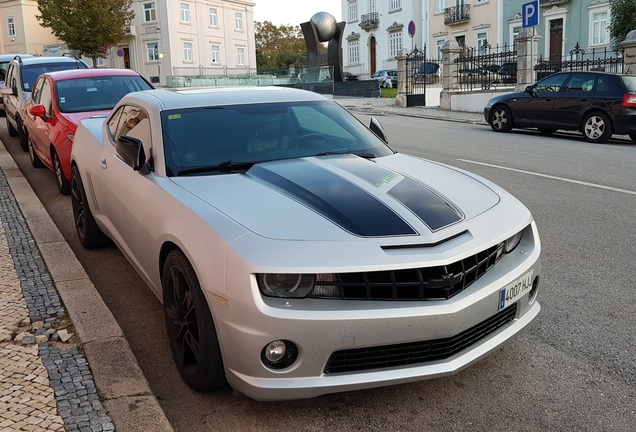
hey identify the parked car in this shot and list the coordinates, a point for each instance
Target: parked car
(60, 100)
(348, 76)
(386, 78)
(5, 59)
(598, 104)
(19, 82)
(507, 73)
(294, 252)
(427, 72)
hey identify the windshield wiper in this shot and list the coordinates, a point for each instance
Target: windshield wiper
(227, 166)
(362, 155)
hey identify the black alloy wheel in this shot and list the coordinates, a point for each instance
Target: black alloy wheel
(62, 184)
(501, 119)
(596, 127)
(90, 235)
(35, 159)
(190, 327)
(12, 131)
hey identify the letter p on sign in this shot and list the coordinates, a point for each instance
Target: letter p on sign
(530, 14)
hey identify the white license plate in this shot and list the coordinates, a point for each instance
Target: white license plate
(515, 290)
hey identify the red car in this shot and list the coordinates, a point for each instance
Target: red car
(60, 100)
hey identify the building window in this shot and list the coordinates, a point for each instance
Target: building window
(240, 56)
(185, 12)
(353, 10)
(354, 52)
(482, 40)
(395, 44)
(440, 5)
(395, 5)
(100, 62)
(214, 18)
(599, 26)
(150, 12)
(187, 51)
(216, 54)
(238, 21)
(440, 44)
(11, 26)
(152, 51)
(372, 6)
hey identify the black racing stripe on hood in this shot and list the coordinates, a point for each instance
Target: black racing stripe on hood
(430, 208)
(333, 197)
(433, 210)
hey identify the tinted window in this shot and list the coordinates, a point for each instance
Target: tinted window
(630, 83)
(552, 83)
(580, 82)
(31, 72)
(96, 93)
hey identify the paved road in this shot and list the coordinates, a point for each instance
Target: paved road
(575, 369)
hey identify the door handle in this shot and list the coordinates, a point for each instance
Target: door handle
(103, 164)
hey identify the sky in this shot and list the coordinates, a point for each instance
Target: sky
(294, 12)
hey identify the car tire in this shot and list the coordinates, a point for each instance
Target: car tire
(547, 131)
(596, 127)
(189, 324)
(12, 131)
(22, 135)
(501, 119)
(35, 159)
(89, 233)
(62, 184)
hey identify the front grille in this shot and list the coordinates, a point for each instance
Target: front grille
(425, 283)
(360, 359)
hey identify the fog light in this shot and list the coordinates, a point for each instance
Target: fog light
(279, 354)
(532, 295)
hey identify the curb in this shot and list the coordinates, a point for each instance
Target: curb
(123, 389)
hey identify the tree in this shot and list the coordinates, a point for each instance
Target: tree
(279, 47)
(623, 21)
(90, 27)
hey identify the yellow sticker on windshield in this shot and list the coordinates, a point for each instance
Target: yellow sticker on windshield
(174, 116)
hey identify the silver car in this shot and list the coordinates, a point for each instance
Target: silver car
(294, 252)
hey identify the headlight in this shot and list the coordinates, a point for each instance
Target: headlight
(512, 242)
(285, 285)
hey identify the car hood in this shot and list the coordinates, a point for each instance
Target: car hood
(76, 118)
(336, 197)
(506, 96)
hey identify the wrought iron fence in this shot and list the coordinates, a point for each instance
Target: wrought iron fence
(579, 59)
(487, 66)
(420, 72)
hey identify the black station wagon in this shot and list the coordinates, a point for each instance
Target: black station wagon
(597, 104)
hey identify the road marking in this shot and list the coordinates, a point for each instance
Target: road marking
(563, 179)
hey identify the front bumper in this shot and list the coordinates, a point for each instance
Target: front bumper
(245, 325)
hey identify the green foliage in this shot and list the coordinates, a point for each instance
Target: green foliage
(388, 92)
(623, 20)
(279, 47)
(87, 26)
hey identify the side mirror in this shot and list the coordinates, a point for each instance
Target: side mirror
(530, 90)
(376, 128)
(6, 91)
(38, 111)
(131, 151)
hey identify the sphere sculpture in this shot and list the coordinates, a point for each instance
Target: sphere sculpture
(325, 25)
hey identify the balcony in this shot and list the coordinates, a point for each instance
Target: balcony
(457, 14)
(370, 21)
(552, 2)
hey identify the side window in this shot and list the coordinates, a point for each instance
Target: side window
(552, 83)
(113, 122)
(580, 82)
(36, 91)
(10, 81)
(46, 96)
(135, 123)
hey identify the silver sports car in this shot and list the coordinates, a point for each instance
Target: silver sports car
(294, 252)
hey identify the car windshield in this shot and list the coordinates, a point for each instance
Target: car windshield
(31, 72)
(232, 138)
(96, 93)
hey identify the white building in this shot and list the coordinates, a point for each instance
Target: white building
(188, 38)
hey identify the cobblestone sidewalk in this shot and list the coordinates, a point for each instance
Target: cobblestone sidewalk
(45, 382)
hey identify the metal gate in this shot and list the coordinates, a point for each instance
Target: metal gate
(419, 73)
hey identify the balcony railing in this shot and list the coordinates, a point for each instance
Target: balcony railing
(457, 14)
(370, 21)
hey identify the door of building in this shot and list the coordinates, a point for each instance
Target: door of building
(372, 54)
(556, 40)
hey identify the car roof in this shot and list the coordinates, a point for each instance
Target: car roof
(87, 73)
(45, 60)
(5, 57)
(190, 98)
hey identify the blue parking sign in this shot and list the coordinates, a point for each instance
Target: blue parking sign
(530, 14)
